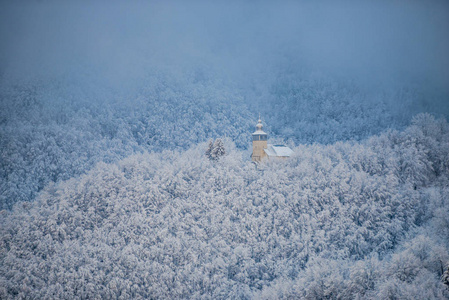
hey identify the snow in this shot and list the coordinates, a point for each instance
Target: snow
(278, 151)
(259, 132)
(106, 191)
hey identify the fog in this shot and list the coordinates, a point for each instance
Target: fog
(108, 188)
(382, 42)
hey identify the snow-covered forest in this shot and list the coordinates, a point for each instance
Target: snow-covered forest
(107, 110)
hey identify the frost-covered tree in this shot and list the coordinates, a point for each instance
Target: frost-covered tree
(336, 221)
(209, 150)
(218, 149)
(445, 277)
(215, 150)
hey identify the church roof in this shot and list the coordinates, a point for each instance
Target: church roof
(259, 127)
(259, 132)
(278, 151)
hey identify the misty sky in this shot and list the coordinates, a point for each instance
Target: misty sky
(388, 42)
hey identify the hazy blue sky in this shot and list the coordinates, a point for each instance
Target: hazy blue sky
(371, 41)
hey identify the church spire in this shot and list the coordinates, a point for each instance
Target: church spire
(259, 142)
(259, 125)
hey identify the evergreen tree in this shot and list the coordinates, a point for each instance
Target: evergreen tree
(218, 149)
(209, 150)
(215, 150)
(445, 277)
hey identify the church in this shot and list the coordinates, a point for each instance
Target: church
(263, 150)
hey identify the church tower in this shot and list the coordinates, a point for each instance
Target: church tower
(259, 142)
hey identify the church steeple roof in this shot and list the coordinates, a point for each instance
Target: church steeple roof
(259, 127)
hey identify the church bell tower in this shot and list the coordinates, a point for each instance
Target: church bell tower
(259, 142)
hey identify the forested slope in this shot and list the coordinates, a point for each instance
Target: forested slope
(52, 130)
(106, 109)
(343, 220)
(55, 131)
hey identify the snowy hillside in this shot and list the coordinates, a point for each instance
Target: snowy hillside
(342, 220)
(107, 110)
